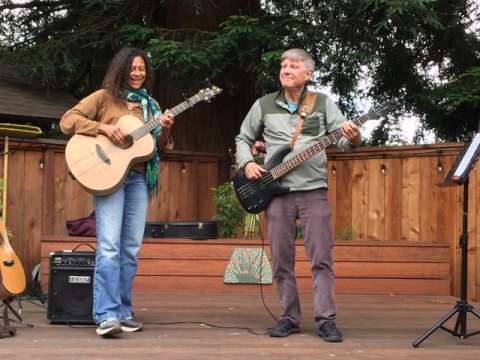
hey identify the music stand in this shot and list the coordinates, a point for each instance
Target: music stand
(458, 175)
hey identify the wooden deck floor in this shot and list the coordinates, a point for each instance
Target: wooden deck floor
(375, 327)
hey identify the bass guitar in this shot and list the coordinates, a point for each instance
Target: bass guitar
(100, 166)
(255, 195)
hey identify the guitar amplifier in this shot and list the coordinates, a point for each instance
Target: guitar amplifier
(185, 230)
(70, 287)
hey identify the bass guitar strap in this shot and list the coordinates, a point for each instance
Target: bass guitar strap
(304, 110)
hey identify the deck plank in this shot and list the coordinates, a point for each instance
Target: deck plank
(375, 327)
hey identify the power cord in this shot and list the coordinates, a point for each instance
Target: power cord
(261, 282)
(253, 332)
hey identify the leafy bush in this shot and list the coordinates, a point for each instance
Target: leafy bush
(230, 214)
(347, 233)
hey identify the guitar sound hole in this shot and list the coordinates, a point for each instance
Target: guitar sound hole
(127, 142)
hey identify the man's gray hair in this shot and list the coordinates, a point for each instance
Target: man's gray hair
(299, 55)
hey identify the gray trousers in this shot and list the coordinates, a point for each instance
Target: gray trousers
(312, 208)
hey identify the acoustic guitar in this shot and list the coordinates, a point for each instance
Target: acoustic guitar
(12, 275)
(100, 166)
(255, 195)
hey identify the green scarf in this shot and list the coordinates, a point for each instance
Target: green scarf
(148, 104)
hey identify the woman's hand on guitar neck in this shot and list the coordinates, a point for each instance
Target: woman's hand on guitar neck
(113, 132)
(166, 120)
(253, 171)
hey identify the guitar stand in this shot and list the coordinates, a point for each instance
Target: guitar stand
(6, 329)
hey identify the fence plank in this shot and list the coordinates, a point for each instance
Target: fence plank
(343, 214)
(393, 202)
(332, 189)
(410, 199)
(360, 190)
(428, 206)
(376, 200)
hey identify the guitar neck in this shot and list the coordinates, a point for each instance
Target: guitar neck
(287, 166)
(153, 123)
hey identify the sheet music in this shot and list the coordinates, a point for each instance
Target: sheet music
(468, 157)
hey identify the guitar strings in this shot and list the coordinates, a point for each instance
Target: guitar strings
(249, 188)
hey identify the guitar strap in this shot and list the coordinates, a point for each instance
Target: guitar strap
(304, 110)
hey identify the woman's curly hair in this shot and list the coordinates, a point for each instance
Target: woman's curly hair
(116, 78)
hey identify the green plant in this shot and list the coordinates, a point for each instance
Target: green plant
(347, 233)
(298, 232)
(251, 226)
(229, 215)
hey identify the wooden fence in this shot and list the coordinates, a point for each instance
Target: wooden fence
(41, 195)
(377, 194)
(394, 194)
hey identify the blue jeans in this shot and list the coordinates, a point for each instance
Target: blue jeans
(120, 220)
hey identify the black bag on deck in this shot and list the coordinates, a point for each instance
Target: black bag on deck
(186, 230)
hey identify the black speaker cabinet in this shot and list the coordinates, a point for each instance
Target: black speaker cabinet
(70, 287)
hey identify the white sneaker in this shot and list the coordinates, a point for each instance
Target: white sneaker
(109, 328)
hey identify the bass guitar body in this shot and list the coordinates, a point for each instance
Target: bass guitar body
(99, 165)
(255, 195)
(12, 275)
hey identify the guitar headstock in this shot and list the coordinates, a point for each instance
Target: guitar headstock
(381, 110)
(206, 94)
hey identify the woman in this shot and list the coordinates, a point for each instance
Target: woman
(120, 216)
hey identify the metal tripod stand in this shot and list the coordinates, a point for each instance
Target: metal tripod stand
(6, 329)
(462, 307)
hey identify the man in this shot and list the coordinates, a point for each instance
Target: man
(275, 117)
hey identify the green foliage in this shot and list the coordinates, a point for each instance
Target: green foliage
(2, 186)
(229, 215)
(298, 231)
(251, 226)
(347, 233)
(396, 44)
(465, 90)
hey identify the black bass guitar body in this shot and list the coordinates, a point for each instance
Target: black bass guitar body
(255, 195)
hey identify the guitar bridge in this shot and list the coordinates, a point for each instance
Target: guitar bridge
(102, 154)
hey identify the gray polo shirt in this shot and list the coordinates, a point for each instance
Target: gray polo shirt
(271, 117)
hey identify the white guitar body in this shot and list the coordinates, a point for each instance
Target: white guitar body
(99, 165)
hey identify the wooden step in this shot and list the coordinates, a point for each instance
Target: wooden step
(379, 267)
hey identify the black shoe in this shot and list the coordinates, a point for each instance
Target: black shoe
(329, 332)
(283, 329)
(129, 325)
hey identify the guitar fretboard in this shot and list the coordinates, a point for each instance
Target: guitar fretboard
(285, 167)
(152, 124)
